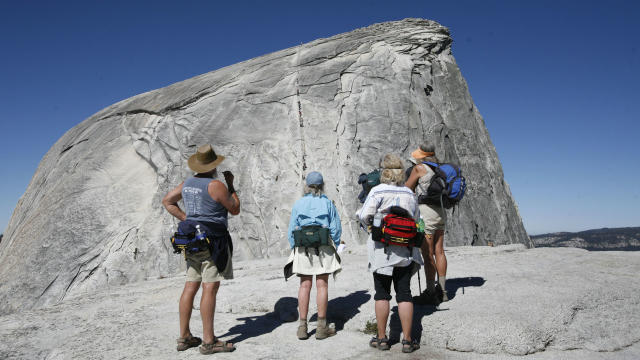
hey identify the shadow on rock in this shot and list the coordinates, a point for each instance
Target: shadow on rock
(419, 311)
(456, 283)
(285, 310)
(342, 309)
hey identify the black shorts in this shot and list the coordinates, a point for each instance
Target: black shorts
(401, 278)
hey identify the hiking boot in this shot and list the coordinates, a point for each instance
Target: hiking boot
(303, 332)
(323, 331)
(441, 294)
(445, 297)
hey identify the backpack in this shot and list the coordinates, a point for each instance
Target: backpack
(368, 181)
(447, 186)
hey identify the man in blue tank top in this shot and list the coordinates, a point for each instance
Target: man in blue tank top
(207, 203)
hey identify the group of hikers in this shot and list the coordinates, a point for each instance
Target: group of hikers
(405, 226)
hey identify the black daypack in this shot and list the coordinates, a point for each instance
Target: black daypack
(447, 186)
(368, 181)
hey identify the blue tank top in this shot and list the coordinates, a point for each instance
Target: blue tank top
(199, 205)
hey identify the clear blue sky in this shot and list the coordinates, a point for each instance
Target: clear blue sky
(556, 81)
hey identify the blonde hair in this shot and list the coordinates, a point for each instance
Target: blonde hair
(315, 190)
(392, 170)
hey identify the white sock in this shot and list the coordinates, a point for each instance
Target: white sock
(442, 280)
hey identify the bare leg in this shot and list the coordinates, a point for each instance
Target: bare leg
(427, 250)
(441, 259)
(405, 310)
(185, 306)
(208, 309)
(322, 297)
(303, 296)
(382, 315)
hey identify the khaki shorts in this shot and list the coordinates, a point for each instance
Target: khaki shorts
(434, 218)
(200, 268)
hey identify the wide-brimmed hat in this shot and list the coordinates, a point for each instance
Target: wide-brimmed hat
(423, 151)
(204, 160)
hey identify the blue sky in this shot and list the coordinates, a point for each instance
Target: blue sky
(557, 82)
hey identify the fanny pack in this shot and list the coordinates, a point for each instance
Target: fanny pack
(398, 228)
(188, 243)
(311, 236)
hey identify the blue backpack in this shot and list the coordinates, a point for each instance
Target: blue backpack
(447, 186)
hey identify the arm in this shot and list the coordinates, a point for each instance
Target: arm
(334, 223)
(416, 210)
(219, 193)
(369, 208)
(170, 202)
(417, 172)
(293, 222)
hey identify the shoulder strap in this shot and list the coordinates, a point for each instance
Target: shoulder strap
(431, 164)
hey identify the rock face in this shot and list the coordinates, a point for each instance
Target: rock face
(92, 214)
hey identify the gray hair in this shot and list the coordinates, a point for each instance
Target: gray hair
(392, 170)
(428, 147)
(315, 190)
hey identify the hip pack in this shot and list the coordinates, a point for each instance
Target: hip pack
(190, 238)
(311, 236)
(398, 228)
(188, 243)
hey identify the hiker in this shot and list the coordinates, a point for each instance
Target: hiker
(314, 235)
(207, 202)
(434, 217)
(391, 263)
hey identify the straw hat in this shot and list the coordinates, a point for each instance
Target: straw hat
(204, 160)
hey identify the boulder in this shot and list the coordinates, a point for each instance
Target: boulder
(92, 214)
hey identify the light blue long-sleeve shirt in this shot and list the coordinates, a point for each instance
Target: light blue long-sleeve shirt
(315, 210)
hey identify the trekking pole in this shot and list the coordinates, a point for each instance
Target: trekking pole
(419, 286)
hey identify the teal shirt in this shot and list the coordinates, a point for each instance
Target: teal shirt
(315, 210)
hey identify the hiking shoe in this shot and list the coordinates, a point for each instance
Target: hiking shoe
(188, 342)
(303, 332)
(445, 297)
(441, 294)
(323, 331)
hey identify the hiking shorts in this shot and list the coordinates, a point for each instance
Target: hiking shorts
(434, 218)
(200, 268)
(401, 279)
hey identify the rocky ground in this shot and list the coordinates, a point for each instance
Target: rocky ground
(550, 303)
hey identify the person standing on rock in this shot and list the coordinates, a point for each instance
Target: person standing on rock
(391, 263)
(434, 218)
(207, 202)
(314, 235)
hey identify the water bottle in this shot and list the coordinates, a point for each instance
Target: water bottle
(199, 233)
(377, 219)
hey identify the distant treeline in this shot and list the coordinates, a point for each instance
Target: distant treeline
(627, 238)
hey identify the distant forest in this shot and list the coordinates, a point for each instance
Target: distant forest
(627, 239)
